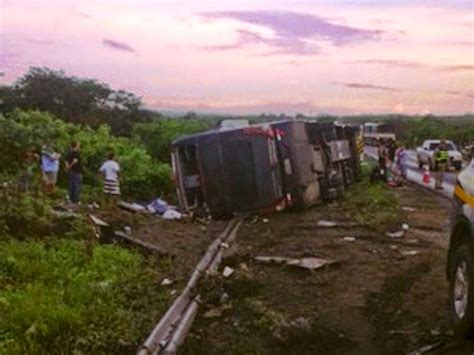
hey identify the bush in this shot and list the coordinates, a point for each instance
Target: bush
(60, 298)
(142, 177)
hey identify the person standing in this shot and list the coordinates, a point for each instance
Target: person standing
(382, 153)
(401, 158)
(75, 171)
(441, 157)
(110, 170)
(49, 167)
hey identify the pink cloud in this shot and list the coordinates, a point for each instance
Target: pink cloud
(456, 68)
(389, 62)
(120, 46)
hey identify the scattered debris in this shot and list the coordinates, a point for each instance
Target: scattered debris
(98, 221)
(410, 252)
(133, 207)
(172, 215)
(140, 243)
(265, 220)
(326, 224)
(128, 230)
(93, 206)
(311, 263)
(405, 226)
(227, 271)
(158, 206)
(173, 292)
(272, 259)
(427, 348)
(398, 234)
(408, 209)
(166, 282)
(349, 239)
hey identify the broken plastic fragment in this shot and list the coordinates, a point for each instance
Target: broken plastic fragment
(227, 271)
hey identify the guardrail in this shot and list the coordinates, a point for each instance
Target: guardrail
(170, 333)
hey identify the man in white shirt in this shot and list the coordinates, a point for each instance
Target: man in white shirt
(110, 170)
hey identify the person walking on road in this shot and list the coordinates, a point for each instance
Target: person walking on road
(75, 171)
(111, 173)
(441, 157)
(49, 167)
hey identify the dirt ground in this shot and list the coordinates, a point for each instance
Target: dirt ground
(379, 299)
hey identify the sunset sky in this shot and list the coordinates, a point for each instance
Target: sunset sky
(338, 56)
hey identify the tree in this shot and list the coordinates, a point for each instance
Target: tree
(76, 100)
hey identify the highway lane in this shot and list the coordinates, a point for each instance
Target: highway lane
(415, 174)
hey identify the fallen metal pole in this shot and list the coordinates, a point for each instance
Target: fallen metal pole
(173, 327)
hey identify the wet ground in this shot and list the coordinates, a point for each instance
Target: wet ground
(386, 295)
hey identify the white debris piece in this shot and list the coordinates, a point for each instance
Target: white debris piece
(265, 220)
(166, 282)
(172, 214)
(348, 239)
(134, 207)
(326, 224)
(408, 209)
(398, 234)
(311, 263)
(405, 226)
(410, 252)
(98, 221)
(227, 271)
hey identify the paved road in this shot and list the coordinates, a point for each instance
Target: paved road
(415, 174)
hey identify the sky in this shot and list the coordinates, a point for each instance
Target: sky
(261, 56)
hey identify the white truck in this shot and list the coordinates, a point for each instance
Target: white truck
(425, 154)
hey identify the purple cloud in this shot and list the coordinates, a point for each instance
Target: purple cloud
(367, 87)
(120, 46)
(388, 62)
(293, 32)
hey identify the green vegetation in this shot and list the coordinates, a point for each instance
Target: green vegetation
(20, 131)
(371, 205)
(66, 297)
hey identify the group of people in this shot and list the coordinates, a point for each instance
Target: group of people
(393, 160)
(50, 161)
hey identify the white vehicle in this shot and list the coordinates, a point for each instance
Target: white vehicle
(460, 266)
(425, 154)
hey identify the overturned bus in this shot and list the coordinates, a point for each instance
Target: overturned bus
(264, 167)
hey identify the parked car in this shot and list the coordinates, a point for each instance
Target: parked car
(425, 154)
(460, 266)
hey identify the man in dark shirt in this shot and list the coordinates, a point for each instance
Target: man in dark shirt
(75, 170)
